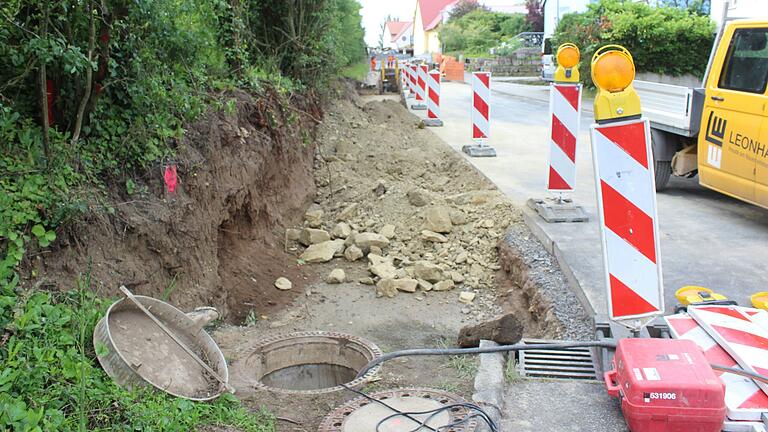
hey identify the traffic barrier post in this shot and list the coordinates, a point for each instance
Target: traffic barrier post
(421, 88)
(626, 193)
(564, 122)
(433, 99)
(481, 116)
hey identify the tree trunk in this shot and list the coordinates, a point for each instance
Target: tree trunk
(43, 86)
(88, 74)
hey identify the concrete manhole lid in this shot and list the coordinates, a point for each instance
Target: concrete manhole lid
(363, 415)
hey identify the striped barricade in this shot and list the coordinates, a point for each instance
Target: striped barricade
(421, 88)
(565, 114)
(481, 116)
(433, 99)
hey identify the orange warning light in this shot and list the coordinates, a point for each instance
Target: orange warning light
(613, 70)
(568, 55)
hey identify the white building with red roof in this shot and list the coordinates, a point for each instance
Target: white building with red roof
(428, 17)
(399, 34)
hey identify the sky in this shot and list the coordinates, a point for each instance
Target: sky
(374, 13)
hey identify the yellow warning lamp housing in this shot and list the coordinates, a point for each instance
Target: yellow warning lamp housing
(613, 71)
(695, 294)
(760, 300)
(568, 57)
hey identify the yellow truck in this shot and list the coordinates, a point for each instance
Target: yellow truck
(720, 131)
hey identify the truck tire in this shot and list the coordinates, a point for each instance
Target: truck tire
(663, 170)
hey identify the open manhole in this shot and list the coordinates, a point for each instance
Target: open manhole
(309, 362)
(438, 409)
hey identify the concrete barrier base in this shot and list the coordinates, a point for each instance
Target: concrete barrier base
(433, 122)
(474, 150)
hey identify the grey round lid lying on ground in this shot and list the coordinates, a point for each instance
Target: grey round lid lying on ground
(363, 415)
(136, 352)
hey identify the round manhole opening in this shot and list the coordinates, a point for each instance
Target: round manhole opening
(310, 362)
(437, 409)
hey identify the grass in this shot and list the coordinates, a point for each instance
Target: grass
(465, 365)
(510, 371)
(51, 380)
(357, 71)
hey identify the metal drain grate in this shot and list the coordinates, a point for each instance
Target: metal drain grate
(573, 363)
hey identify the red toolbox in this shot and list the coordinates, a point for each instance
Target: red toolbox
(666, 385)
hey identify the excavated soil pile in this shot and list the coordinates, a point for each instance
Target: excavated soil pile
(217, 241)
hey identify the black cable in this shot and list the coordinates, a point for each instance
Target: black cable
(423, 424)
(464, 351)
(372, 399)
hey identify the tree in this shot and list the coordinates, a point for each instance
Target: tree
(383, 33)
(464, 7)
(701, 7)
(535, 16)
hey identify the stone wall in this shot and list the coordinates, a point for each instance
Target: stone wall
(523, 62)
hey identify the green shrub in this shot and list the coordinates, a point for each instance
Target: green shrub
(50, 380)
(663, 40)
(480, 30)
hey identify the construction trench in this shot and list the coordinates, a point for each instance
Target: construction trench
(327, 246)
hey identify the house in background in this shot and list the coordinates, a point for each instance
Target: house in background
(400, 35)
(428, 17)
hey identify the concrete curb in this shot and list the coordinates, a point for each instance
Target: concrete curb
(489, 385)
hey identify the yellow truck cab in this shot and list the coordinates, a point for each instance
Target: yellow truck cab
(720, 131)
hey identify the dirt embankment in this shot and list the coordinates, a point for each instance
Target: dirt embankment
(243, 176)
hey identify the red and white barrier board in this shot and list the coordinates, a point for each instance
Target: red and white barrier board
(481, 106)
(412, 77)
(743, 398)
(565, 109)
(421, 83)
(433, 96)
(626, 194)
(742, 338)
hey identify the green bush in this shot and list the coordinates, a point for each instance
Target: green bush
(50, 380)
(480, 30)
(127, 76)
(664, 40)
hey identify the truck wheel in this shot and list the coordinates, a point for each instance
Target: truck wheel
(663, 172)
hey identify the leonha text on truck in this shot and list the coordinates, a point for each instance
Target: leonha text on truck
(720, 131)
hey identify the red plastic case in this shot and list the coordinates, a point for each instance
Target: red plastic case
(666, 385)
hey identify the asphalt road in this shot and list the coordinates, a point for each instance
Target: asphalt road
(707, 239)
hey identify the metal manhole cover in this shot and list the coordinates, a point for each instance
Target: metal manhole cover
(363, 415)
(571, 363)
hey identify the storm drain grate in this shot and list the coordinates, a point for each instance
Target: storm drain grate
(571, 363)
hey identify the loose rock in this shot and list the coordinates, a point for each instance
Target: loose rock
(310, 236)
(320, 252)
(386, 288)
(388, 231)
(428, 271)
(353, 253)
(467, 297)
(367, 239)
(384, 270)
(424, 285)
(341, 230)
(418, 197)
(445, 285)
(506, 330)
(336, 276)
(283, 284)
(438, 219)
(432, 236)
(314, 217)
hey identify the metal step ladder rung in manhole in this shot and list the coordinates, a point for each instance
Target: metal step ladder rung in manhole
(571, 363)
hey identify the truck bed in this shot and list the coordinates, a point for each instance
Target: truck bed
(670, 108)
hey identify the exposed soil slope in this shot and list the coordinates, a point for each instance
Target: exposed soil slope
(217, 241)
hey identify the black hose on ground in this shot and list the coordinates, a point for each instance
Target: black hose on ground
(464, 351)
